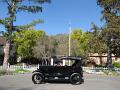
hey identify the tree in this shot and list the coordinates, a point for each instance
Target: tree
(111, 31)
(25, 40)
(62, 44)
(45, 48)
(80, 43)
(96, 42)
(13, 7)
(49, 46)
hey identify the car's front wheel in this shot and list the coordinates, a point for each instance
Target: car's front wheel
(76, 78)
(37, 78)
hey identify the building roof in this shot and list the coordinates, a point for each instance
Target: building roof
(2, 41)
(70, 58)
(99, 55)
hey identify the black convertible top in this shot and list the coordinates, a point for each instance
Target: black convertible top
(70, 58)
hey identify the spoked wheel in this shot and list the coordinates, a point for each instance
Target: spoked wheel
(76, 78)
(37, 78)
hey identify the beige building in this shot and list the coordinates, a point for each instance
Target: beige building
(102, 59)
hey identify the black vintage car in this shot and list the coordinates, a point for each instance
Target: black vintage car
(73, 73)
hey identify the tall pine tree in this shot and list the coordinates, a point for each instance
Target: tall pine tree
(111, 31)
(13, 7)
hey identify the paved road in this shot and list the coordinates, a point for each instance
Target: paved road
(92, 82)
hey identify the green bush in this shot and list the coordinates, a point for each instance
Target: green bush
(116, 64)
(21, 71)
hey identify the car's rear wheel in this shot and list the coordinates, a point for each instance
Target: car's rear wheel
(76, 78)
(37, 78)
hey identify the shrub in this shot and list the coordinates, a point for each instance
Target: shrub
(116, 64)
(21, 71)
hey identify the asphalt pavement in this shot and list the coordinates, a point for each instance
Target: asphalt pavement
(91, 82)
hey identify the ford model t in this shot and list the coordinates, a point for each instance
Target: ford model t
(73, 73)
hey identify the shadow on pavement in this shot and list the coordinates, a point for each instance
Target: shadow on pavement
(58, 81)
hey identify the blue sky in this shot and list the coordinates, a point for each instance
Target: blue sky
(58, 14)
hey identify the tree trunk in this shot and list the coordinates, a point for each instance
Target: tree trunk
(101, 62)
(109, 59)
(6, 55)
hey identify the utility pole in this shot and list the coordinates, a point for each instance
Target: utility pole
(69, 41)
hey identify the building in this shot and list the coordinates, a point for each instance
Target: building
(101, 59)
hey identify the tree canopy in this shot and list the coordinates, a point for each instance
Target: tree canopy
(25, 40)
(80, 42)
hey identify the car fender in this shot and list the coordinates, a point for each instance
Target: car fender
(37, 72)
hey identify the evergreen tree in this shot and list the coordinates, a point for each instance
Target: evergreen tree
(13, 7)
(111, 30)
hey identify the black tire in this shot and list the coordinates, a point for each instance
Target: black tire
(37, 78)
(75, 79)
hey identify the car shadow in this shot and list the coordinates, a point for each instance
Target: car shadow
(57, 81)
